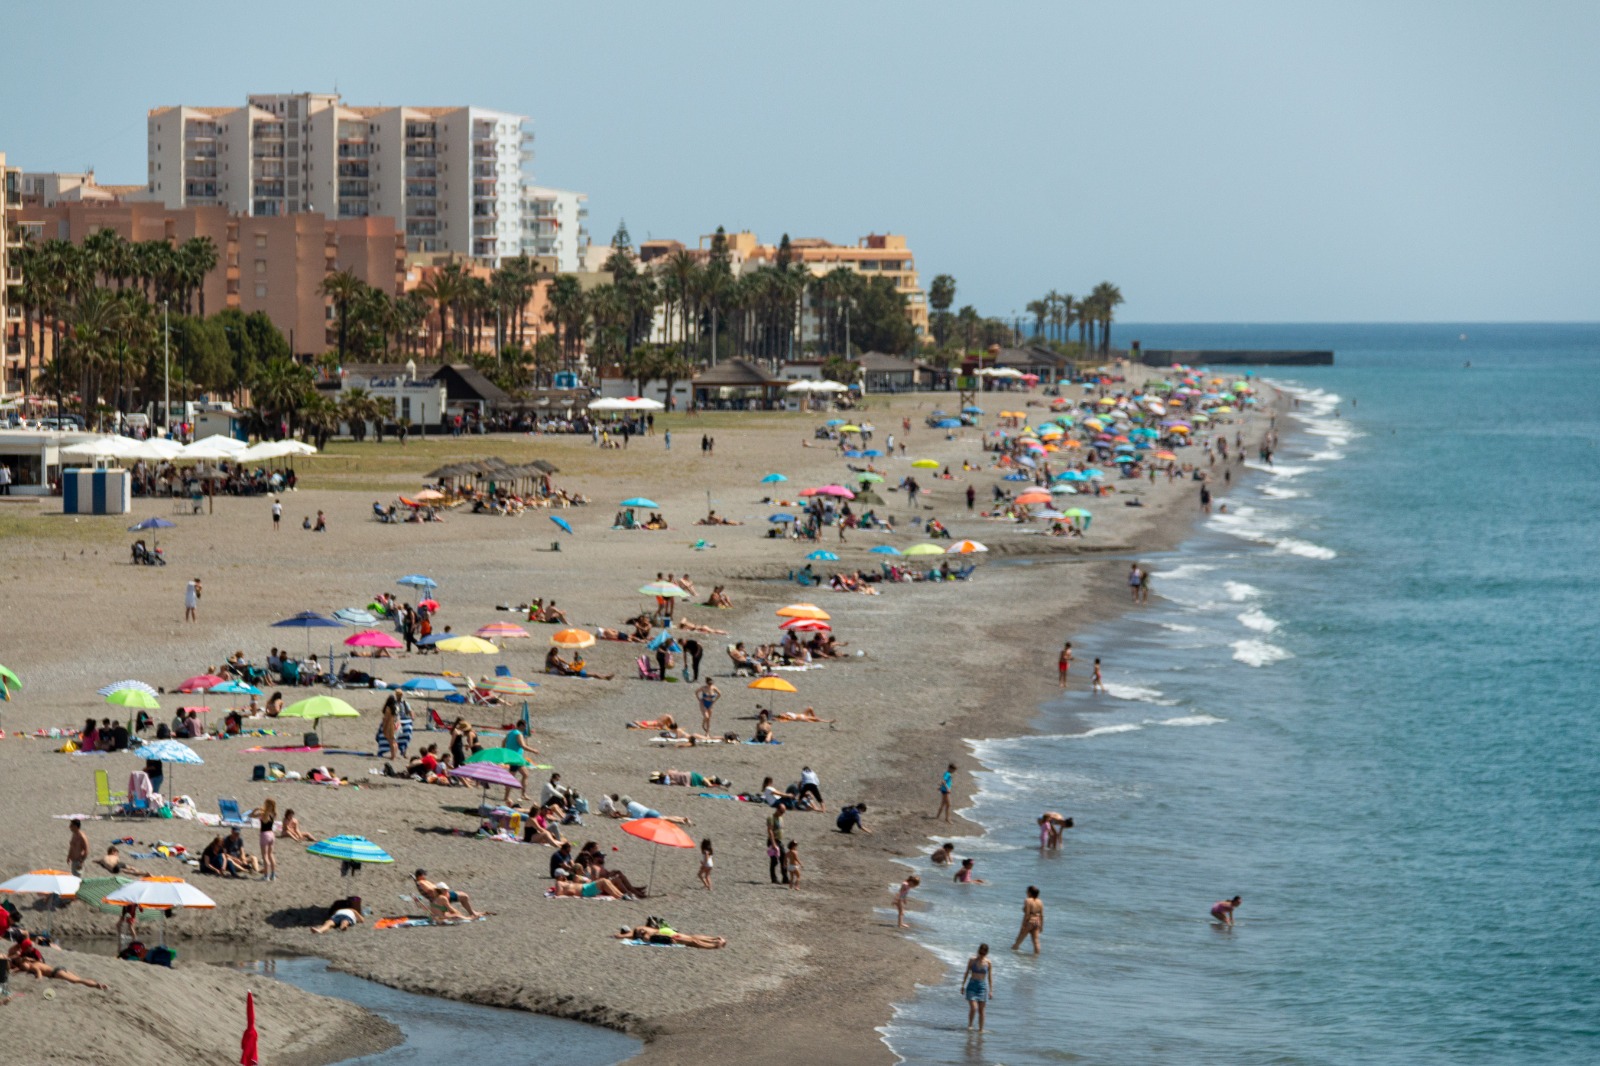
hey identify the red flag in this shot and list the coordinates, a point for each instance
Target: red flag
(247, 1045)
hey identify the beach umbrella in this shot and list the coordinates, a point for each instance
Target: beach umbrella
(836, 490)
(665, 589)
(925, 464)
(319, 707)
(236, 688)
(572, 639)
(834, 422)
(502, 631)
(511, 686)
(562, 522)
(429, 495)
(803, 610)
(657, 831)
(1169, 456)
(823, 557)
(428, 684)
(486, 774)
(948, 423)
(118, 686)
(498, 756)
(134, 698)
(1048, 513)
(773, 479)
(352, 851)
(307, 620)
(848, 428)
(355, 616)
(53, 883)
(639, 501)
(869, 479)
(467, 646)
(161, 893)
(200, 683)
(418, 581)
(805, 625)
(886, 549)
(1077, 512)
(772, 684)
(371, 638)
(780, 519)
(250, 1040)
(965, 547)
(924, 549)
(165, 751)
(872, 453)
(972, 410)
(1033, 496)
(92, 891)
(151, 523)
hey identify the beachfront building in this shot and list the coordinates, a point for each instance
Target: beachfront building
(738, 385)
(555, 225)
(453, 178)
(12, 372)
(428, 395)
(267, 263)
(1047, 365)
(881, 372)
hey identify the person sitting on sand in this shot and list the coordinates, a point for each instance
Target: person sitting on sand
(807, 715)
(342, 915)
(566, 886)
(441, 897)
(718, 598)
(547, 613)
(661, 934)
(543, 828)
(292, 830)
(234, 846)
(591, 866)
(113, 864)
(763, 734)
(215, 860)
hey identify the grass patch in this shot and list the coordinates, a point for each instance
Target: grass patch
(66, 528)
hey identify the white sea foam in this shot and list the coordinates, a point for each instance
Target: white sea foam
(1274, 492)
(1239, 591)
(1258, 620)
(1327, 455)
(1107, 730)
(1259, 652)
(1177, 627)
(1139, 693)
(1193, 720)
(1184, 571)
(1304, 548)
(1283, 470)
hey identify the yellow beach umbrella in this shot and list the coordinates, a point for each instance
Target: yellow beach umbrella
(772, 684)
(467, 646)
(804, 610)
(926, 464)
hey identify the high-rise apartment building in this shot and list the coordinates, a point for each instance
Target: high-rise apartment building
(11, 382)
(555, 223)
(453, 178)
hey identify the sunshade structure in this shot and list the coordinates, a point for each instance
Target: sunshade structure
(627, 403)
(805, 625)
(822, 556)
(134, 698)
(164, 894)
(885, 549)
(200, 683)
(639, 501)
(925, 464)
(664, 590)
(373, 638)
(657, 831)
(56, 884)
(319, 707)
(510, 686)
(467, 646)
(418, 581)
(94, 890)
(923, 549)
(572, 639)
(499, 757)
(355, 616)
(561, 522)
(502, 631)
(965, 547)
(352, 851)
(308, 620)
(772, 684)
(117, 686)
(803, 610)
(773, 479)
(172, 751)
(486, 774)
(428, 685)
(151, 523)
(235, 688)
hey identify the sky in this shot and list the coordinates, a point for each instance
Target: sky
(1405, 160)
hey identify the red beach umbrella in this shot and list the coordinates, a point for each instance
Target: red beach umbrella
(248, 1055)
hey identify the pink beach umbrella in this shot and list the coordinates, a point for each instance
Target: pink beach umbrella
(373, 638)
(836, 490)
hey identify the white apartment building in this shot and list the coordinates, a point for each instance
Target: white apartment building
(555, 223)
(452, 177)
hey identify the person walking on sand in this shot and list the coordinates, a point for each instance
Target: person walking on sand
(900, 899)
(705, 863)
(977, 985)
(708, 694)
(191, 601)
(77, 848)
(1144, 578)
(277, 514)
(1064, 664)
(1223, 909)
(1032, 920)
(947, 784)
(1099, 684)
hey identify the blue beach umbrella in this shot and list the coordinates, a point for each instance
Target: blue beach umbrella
(355, 616)
(168, 751)
(872, 453)
(948, 423)
(350, 850)
(418, 581)
(238, 688)
(151, 523)
(307, 620)
(778, 519)
(1016, 477)
(886, 549)
(773, 479)
(834, 422)
(428, 684)
(853, 454)
(823, 557)
(972, 409)
(562, 522)
(640, 501)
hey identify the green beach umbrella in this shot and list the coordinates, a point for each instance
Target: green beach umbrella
(132, 697)
(869, 479)
(320, 707)
(500, 756)
(923, 549)
(9, 682)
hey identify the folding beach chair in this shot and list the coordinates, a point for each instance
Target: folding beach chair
(229, 810)
(502, 670)
(647, 670)
(103, 796)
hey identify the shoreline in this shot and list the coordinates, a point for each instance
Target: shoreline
(931, 676)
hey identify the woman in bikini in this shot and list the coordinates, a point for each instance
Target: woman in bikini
(708, 694)
(292, 830)
(976, 985)
(807, 715)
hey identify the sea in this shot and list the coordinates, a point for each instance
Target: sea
(1364, 699)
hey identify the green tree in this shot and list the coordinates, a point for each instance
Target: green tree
(1107, 298)
(941, 296)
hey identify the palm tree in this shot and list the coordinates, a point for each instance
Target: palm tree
(672, 368)
(442, 289)
(197, 258)
(280, 387)
(344, 289)
(679, 272)
(941, 295)
(1107, 298)
(1040, 310)
(565, 311)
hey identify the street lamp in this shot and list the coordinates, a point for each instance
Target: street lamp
(166, 371)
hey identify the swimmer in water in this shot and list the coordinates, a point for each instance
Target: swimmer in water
(1222, 910)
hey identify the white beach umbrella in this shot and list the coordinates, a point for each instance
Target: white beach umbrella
(101, 448)
(800, 386)
(297, 447)
(829, 386)
(267, 449)
(161, 893)
(42, 883)
(154, 448)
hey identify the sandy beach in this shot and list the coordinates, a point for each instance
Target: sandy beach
(807, 975)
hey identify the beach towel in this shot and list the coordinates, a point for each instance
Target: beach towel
(718, 796)
(550, 893)
(763, 742)
(284, 747)
(412, 923)
(648, 944)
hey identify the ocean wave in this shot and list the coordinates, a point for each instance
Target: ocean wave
(1137, 693)
(1178, 627)
(1258, 620)
(1327, 455)
(1106, 730)
(1184, 571)
(1193, 720)
(1304, 548)
(1283, 470)
(1239, 591)
(1249, 524)
(1274, 492)
(1259, 653)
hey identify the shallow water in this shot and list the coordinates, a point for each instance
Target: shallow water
(1361, 702)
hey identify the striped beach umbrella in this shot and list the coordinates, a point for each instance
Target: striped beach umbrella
(350, 849)
(502, 631)
(118, 686)
(510, 686)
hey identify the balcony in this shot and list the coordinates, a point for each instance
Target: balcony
(357, 189)
(421, 130)
(267, 151)
(354, 151)
(421, 229)
(483, 170)
(202, 152)
(421, 150)
(273, 189)
(201, 170)
(206, 189)
(353, 170)
(483, 211)
(421, 190)
(422, 170)
(266, 208)
(272, 131)
(483, 229)
(352, 209)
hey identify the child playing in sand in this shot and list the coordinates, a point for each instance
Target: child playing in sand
(793, 859)
(705, 863)
(900, 899)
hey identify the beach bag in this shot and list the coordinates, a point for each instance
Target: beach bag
(311, 740)
(259, 773)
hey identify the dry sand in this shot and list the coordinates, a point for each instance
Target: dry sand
(807, 973)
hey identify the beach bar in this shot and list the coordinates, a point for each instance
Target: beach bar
(34, 457)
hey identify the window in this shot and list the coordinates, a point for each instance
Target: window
(261, 266)
(261, 290)
(261, 240)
